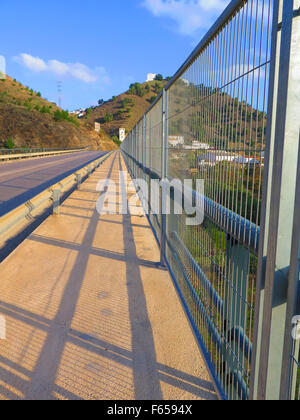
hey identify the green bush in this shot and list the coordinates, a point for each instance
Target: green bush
(65, 116)
(152, 99)
(108, 117)
(159, 78)
(137, 89)
(9, 144)
(116, 140)
(28, 105)
(45, 110)
(127, 102)
(38, 94)
(157, 87)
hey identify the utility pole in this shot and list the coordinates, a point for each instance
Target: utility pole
(59, 90)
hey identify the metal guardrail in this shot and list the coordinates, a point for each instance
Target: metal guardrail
(228, 117)
(14, 221)
(12, 154)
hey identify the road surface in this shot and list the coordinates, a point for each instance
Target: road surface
(22, 180)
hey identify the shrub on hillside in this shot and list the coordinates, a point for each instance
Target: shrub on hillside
(137, 89)
(45, 109)
(61, 115)
(152, 99)
(116, 140)
(159, 78)
(9, 144)
(127, 102)
(157, 87)
(28, 105)
(108, 117)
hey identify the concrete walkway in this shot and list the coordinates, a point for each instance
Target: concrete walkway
(89, 315)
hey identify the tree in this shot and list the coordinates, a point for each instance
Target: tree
(101, 102)
(137, 89)
(159, 78)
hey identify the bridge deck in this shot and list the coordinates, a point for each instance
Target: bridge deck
(89, 315)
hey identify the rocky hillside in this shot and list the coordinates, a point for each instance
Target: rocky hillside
(28, 120)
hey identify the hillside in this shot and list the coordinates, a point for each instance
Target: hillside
(126, 109)
(215, 117)
(28, 120)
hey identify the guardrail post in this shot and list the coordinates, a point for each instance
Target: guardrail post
(163, 177)
(56, 201)
(78, 180)
(278, 203)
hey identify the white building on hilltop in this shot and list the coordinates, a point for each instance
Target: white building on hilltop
(151, 77)
(97, 127)
(122, 134)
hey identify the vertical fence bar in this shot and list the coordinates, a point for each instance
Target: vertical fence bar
(291, 351)
(278, 234)
(267, 183)
(163, 176)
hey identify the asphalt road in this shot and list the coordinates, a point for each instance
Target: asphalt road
(22, 180)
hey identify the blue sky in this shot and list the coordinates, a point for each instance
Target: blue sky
(98, 47)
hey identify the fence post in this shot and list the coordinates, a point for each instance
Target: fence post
(56, 201)
(78, 180)
(144, 160)
(163, 176)
(278, 203)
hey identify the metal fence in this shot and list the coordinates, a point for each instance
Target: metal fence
(228, 116)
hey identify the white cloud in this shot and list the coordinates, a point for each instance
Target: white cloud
(76, 70)
(190, 15)
(32, 63)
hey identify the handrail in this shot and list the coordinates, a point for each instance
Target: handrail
(231, 222)
(13, 154)
(9, 154)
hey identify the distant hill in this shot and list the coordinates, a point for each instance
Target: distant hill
(126, 109)
(28, 120)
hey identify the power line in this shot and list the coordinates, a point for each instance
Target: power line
(59, 90)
